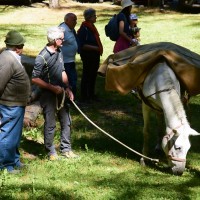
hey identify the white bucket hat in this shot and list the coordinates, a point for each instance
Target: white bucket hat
(126, 3)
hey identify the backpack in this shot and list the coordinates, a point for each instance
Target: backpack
(112, 28)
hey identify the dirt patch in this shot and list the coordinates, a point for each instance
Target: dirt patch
(38, 13)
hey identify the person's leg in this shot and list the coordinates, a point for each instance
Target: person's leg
(85, 79)
(11, 119)
(94, 65)
(70, 69)
(65, 124)
(65, 138)
(19, 127)
(48, 103)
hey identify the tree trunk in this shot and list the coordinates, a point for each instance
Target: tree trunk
(31, 113)
(54, 4)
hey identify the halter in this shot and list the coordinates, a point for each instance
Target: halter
(167, 136)
(176, 159)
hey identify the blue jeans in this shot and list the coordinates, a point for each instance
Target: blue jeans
(11, 124)
(70, 69)
(48, 103)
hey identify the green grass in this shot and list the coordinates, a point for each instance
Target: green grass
(105, 170)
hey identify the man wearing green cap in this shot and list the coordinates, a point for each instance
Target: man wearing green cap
(14, 92)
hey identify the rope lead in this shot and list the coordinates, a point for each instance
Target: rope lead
(143, 156)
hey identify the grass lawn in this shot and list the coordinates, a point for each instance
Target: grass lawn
(105, 170)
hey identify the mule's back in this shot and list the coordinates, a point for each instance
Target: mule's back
(160, 78)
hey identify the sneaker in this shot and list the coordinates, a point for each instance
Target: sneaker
(21, 166)
(53, 157)
(69, 154)
(14, 171)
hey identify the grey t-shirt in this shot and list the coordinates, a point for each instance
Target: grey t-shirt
(49, 67)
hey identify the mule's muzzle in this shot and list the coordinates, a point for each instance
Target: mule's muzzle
(177, 167)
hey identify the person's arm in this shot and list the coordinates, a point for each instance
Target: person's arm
(122, 33)
(42, 84)
(90, 47)
(6, 72)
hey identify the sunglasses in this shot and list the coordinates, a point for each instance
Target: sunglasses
(62, 39)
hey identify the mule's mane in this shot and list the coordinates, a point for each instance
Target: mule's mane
(177, 116)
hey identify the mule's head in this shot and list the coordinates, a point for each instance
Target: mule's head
(176, 145)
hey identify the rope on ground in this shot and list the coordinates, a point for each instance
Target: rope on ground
(151, 159)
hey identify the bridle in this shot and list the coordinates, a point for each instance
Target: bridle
(176, 159)
(167, 137)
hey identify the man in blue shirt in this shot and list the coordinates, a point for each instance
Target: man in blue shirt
(69, 49)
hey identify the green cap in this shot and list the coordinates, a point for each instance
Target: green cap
(14, 38)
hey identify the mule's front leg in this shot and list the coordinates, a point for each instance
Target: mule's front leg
(161, 132)
(146, 118)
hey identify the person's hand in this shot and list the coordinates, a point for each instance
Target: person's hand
(134, 42)
(70, 94)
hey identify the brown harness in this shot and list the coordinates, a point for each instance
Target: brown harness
(147, 102)
(185, 99)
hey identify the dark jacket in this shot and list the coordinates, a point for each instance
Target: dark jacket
(86, 36)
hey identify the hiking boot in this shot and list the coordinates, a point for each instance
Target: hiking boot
(53, 157)
(69, 154)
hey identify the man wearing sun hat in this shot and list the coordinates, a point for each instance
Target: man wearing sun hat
(124, 39)
(14, 93)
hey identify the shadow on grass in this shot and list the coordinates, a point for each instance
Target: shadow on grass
(36, 191)
(121, 117)
(33, 148)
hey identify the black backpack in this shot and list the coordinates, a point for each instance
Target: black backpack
(112, 28)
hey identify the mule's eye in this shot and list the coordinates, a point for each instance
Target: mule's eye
(177, 147)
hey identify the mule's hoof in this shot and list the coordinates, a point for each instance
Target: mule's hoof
(142, 163)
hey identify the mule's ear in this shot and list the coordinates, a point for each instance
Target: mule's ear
(193, 132)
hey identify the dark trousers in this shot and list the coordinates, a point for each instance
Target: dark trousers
(70, 69)
(48, 103)
(11, 124)
(89, 74)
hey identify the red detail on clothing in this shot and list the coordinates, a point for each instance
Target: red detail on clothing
(96, 34)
